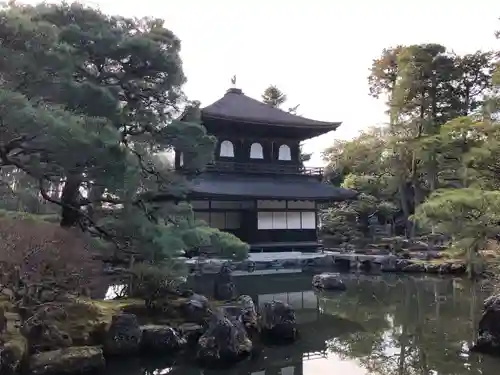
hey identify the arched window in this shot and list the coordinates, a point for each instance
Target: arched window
(181, 159)
(256, 151)
(284, 153)
(227, 149)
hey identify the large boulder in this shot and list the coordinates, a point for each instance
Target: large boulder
(161, 339)
(13, 346)
(45, 336)
(328, 281)
(224, 342)
(435, 268)
(488, 340)
(278, 322)
(67, 361)
(389, 263)
(191, 332)
(124, 336)
(11, 356)
(458, 268)
(196, 309)
(243, 310)
(42, 331)
(224, 287)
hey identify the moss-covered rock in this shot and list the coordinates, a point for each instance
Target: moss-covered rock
(124, 336)
(436, 266)
(225, 341)
(14, 350)
(67, 361)
(87, 319)
(92, 324)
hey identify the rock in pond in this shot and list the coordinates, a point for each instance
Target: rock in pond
(414, 268)
(458, 268)
(196, 309)
(224, 287)
(278, 322)
(328, 281)
(161, 339)
(191, 332)
(224, 342)
(67, 361)
(249, 315)
(488, 340)
(243, 310)
(124, 336)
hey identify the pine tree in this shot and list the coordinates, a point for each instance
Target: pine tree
(87, 105)
(274, 96)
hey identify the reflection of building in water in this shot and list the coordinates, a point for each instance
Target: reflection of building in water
(315, 327)
(289, 360)
(314, 355)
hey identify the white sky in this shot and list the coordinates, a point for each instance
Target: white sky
(317, 51)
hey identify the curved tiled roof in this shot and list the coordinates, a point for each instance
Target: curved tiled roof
(235, 105)
(278, 187)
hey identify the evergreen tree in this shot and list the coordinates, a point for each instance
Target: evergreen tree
(87, 106)
(274, 96)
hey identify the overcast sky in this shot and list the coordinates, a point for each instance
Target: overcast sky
(317, 51)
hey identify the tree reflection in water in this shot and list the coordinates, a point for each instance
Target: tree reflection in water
(412, 326)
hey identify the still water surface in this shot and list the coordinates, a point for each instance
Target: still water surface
(383, 325)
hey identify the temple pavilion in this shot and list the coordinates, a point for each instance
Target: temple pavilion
(257, 187)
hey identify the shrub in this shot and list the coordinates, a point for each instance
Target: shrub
(219, 243)
(42, 262)
(151, 282)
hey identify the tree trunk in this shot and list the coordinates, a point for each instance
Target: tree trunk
(466, 109)
(403, 196)
(70, 199)
(432, 169)
(418, 197)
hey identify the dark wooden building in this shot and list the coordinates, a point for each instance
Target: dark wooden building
(257, 188)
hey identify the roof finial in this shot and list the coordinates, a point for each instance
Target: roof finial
(233, 80)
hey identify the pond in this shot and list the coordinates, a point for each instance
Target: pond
(384, 325)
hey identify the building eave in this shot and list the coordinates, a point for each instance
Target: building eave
(324, 126)
(209, 185)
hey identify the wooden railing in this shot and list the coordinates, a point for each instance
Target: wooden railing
(264, 168)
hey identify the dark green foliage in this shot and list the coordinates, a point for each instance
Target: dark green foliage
(87, 110)
(434, 166)
(274, 96)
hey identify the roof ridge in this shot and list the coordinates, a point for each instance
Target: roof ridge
(235, 105)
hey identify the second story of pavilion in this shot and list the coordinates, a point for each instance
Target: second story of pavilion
(256, 138)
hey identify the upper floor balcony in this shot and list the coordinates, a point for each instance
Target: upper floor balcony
(264, 169)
